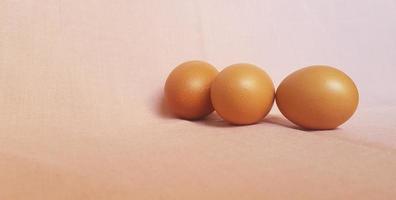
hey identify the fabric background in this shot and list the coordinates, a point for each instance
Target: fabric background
(81, 90)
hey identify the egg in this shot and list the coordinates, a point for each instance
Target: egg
(187, 89)
(242, 94)
(317, 97)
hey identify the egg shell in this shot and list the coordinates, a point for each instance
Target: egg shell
(317, 97)
(242, 94)
(187, 89)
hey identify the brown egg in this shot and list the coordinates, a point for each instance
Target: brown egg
(242, 94)
(317, 97)
(187, 89)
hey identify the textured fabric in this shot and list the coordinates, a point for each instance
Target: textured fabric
(81, 90)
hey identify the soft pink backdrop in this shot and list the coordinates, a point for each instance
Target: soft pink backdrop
(81, 89)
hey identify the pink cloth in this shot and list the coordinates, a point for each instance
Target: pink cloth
(81, 88)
